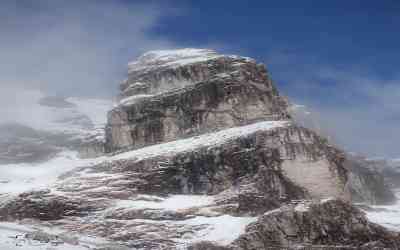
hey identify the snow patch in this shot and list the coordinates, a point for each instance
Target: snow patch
(205, 140)
(327, 199)
(222, 229)
(17, 178)
(302, 207)
(172, 203)
(172, 58)
(132, 99)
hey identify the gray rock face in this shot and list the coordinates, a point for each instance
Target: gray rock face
(44, 206)
(190, 99)
(369, 181)
(266, 163)
(331, 224)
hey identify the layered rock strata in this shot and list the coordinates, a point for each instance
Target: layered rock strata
(184, 99)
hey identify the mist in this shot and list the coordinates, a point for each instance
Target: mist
(72, 48)
(357, 108)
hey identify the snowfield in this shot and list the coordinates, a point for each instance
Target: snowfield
(18, 178)
(171, 203)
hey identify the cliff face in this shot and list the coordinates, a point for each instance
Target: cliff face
(369, 181)
(166, 100)
(184, 93)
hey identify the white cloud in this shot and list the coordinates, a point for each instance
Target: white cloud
(359, 109)
(70, 48)
(73, 47)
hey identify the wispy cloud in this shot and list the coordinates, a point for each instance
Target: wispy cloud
(70, 48)
(73, 47)
(359, 108)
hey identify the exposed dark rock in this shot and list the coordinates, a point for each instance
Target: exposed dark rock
(45, 206)
(332, 223)
(231, 92)
(205, 245)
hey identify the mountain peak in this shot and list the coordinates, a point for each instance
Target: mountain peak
(174, 58)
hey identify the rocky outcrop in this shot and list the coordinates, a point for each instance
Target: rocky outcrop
(265, 163)
(187, 99)
(43, 205)
(369, 181)
(331, 224)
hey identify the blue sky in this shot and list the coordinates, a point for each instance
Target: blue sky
(340, 58)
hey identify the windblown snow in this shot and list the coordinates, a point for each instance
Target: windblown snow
(18, 178)
(164, 58)
(171, 203)
(205, 140)
(174, 58)
(386, 215)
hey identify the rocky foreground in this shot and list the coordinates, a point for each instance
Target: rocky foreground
(202, 153)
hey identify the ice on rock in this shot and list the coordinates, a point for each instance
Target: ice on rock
(160, 58)
(210, 139)
(172, 203)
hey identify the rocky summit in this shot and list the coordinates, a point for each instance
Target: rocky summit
(201, 152)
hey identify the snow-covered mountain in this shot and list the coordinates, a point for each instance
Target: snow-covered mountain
(200, 152)
(35, 151)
